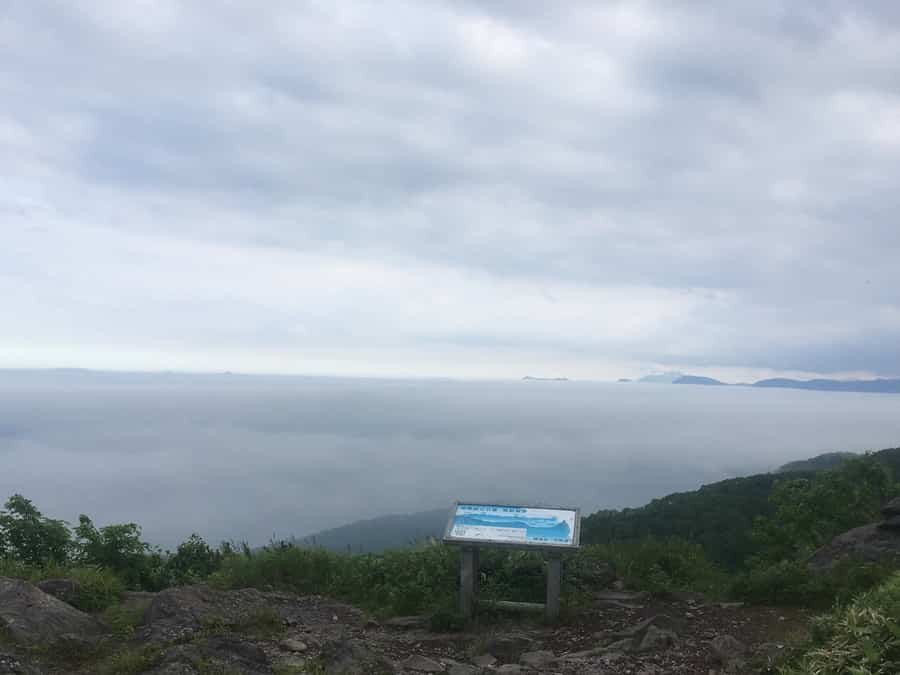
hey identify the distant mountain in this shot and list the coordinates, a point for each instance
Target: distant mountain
(880, 386)
(546, 379)
(662, 378)
(828, 460)
(696, 379)
(379, 534)
(718, 516)
(623, 379)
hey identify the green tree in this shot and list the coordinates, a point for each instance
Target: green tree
(193, 561)
(809, 512)
(116, 547)
(29, 537)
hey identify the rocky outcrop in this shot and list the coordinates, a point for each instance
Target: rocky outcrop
(197, 629)
(29, 616)
(877, 542)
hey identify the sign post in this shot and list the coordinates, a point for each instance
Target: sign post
(474, 525)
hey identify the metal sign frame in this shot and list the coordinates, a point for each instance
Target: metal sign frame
(543, 546)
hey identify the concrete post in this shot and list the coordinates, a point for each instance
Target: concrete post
(467, 581)
(554, 577)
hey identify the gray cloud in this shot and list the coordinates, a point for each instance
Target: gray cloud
(739, 156)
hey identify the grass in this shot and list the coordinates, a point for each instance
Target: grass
(96, 588)
(862, 638)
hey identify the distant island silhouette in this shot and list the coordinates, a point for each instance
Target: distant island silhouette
(876, 386)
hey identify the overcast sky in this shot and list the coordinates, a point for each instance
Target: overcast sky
(474, 189)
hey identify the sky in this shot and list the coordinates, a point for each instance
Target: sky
(465, 189)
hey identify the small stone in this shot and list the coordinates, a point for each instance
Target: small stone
(728, 649)
(537, 659)
(421, 664)
(484, 660)
(293, 645)
(657, 638)
(509, 668)
(463, 669)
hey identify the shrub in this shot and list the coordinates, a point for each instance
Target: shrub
(28, 537)
(655, 565)
(193, 561)
(97, 588)
(862, 638)
(791, 582)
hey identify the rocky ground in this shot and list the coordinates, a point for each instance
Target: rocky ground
(200, 630)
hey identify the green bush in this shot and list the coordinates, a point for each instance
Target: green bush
(398, 582)
(791, 582)
(862, 638)
(656, 565)
(30, 538)
(810, 512)
(98, 588)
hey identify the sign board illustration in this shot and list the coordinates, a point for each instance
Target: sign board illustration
(474, 526)
(509, 525)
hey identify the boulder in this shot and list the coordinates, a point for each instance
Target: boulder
(484, 660)
(537, 659)
(293, 645)
(892, 523)
(463, 669)
(215, 654)
(178, 613)
(892, 508)
(13, 665)
(659, 620)
(351, 657)
(30, 616)
(869, 542)
(421, 664)
(656, 639)
(62, 589)
(507, 648)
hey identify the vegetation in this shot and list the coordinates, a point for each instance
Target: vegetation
(721, 516)
(746, 538)
(862, 638)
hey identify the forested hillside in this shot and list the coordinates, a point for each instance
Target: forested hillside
(718, 516)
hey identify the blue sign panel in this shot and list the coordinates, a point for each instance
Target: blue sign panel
(513, 525)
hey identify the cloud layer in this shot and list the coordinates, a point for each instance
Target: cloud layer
(451, 188)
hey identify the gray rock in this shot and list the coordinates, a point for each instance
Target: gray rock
(729, 650)
(892, 523)
(658, 620)
(222, 653)
(178, 613)
(869, 542)
(421, 664)
(30, 616)
(463, 669)
(406, 622)
(537, 659)
(62, 589)
(509, 668)
(484, 660)
(13, 665)
(293, 645)
(657, 638)
(507, 648)
(350, 657)
(892, 508)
